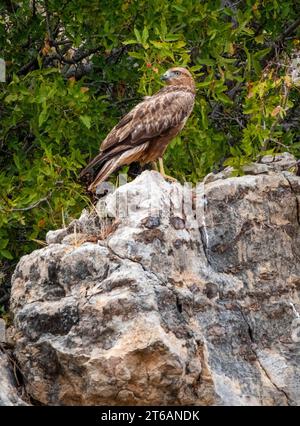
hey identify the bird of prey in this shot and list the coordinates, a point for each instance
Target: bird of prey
(144, 133)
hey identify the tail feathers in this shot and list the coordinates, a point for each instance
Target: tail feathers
(97, 160)
(108, 168)
(127, 157)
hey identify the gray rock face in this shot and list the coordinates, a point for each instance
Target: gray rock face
(2, 331)
(267, 165)
(167, 295)
(8, 387)
(8, 390)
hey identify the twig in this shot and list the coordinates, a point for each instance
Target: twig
(32, 206)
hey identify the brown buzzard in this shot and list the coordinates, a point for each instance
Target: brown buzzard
(145, 132)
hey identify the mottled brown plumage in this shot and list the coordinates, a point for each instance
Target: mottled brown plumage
(145, 132)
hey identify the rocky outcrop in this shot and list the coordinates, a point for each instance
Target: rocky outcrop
(167, 295)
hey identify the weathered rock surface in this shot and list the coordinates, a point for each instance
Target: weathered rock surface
(2, 331)
(165, 304)
(267, 165)
(8, 386)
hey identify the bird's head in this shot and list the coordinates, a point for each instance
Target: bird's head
(178, 76)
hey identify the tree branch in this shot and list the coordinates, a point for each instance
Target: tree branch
(290, 29)
(28, 67)
(278, 43)
(48, 20)
(78, 58)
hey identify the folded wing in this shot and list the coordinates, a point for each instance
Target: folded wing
(150, 119)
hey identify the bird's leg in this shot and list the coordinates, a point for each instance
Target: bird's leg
(162, 171)
(154, 166)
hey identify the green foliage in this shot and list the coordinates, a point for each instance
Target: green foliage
(74, 68)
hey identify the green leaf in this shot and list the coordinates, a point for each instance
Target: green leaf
(204, 83)
(131, 41)
(179, 44)
(172, 37)
(205, 61)
(136, 55)
(138, 35)
(248, 59)
(224, 98)
(49, 71)
(159, 44)
(260, 39)
(11, 98)
(178, 8)
(262, 53)
(43, 116)
(7, 254)
(86, 120)
(17, 161)
(3, 243)
(248, 30)
(145, 35)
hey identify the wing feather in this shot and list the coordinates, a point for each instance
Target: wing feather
(150, 118)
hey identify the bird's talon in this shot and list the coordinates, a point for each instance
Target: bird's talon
(170, 178)
(162, 171)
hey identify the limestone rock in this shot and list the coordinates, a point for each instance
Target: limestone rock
(179, 296)
(267, 165)
(224, 174)
(2, 331)
(279, 162)
(255, 169)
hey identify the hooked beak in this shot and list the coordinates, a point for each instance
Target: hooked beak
(166, 76)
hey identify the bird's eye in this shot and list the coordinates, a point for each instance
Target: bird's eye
(177, 72)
